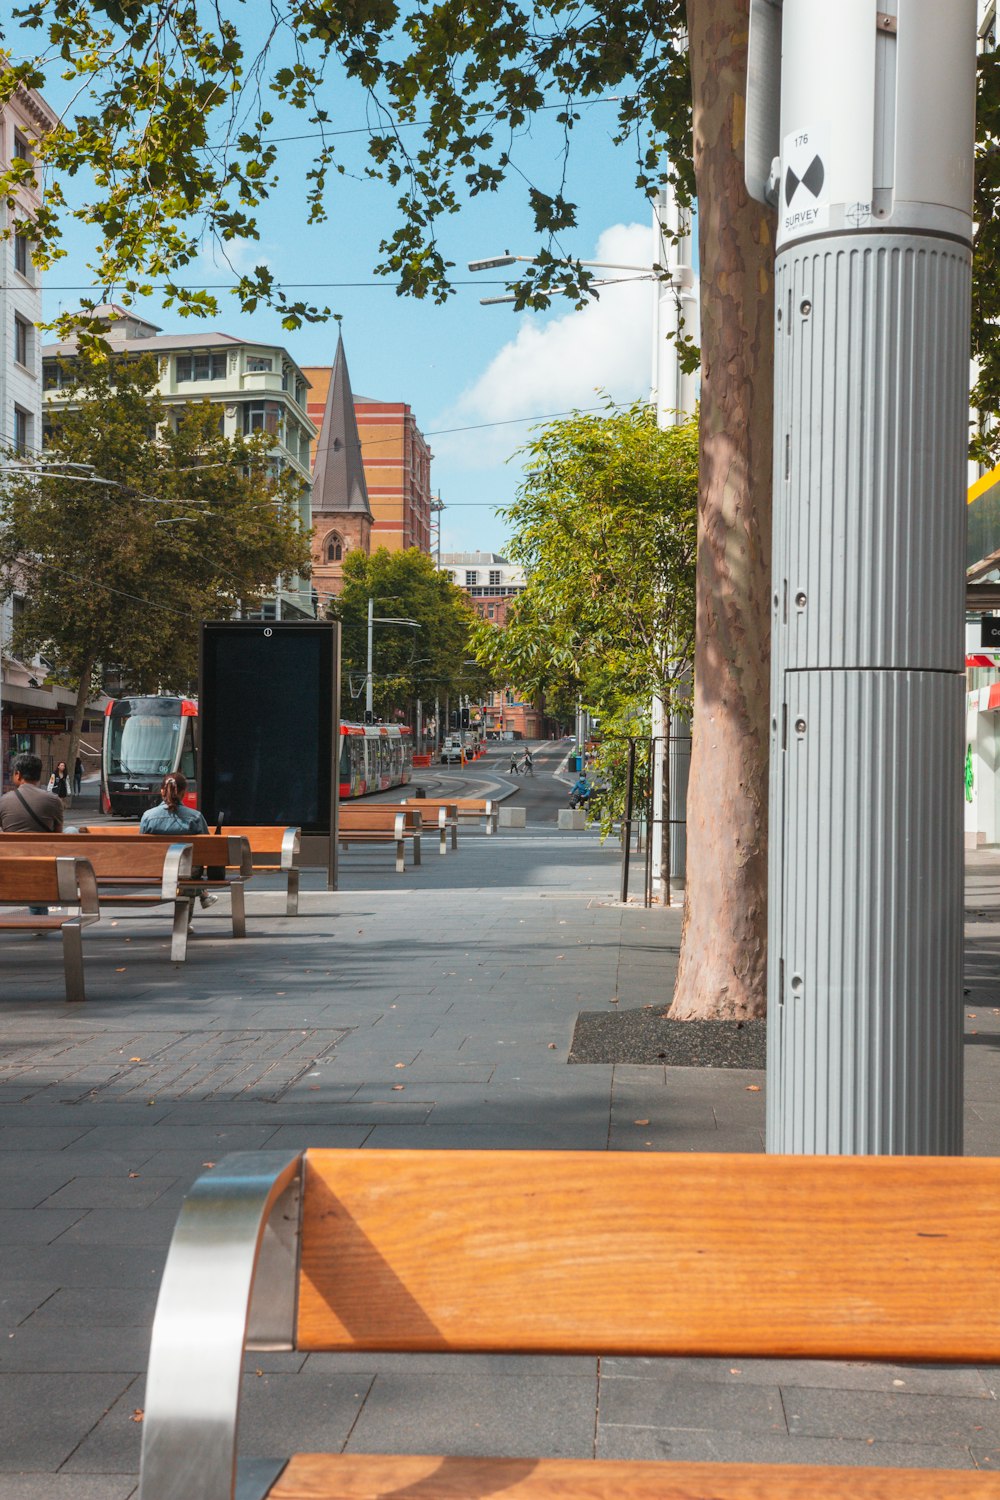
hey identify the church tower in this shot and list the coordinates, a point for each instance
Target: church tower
(341, 514)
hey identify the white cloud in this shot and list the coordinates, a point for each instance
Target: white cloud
(554, 364)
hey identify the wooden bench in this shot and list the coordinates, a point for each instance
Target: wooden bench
(372, 825)
(570, 1253)
(225, 852)
(27, 880)
(468, 809)
(273, 851)
(129, 875)
(440, 815)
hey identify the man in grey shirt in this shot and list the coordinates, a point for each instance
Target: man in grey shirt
(28, 808)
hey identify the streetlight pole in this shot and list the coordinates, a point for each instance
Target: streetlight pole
(369, 695)
(374, 619)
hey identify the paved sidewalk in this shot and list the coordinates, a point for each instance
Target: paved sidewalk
(430, 1009)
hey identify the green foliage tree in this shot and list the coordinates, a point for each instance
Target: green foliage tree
(407, 663)
(129, 531)
(604, 525)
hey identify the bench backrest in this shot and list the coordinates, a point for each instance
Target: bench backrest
(38, 880)
(463, 804)
(263, 839)
(362, 819)
(208, 849)
(139, 857)
(615, 1253)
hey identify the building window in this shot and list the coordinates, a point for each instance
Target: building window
(257, 363)
(334, 549)
(490, 612)
(206, 366)
(262, 416)
(22, 254)
(471, 578)
(496, 578)
(22, 431)
(22, 342)
(21, 147)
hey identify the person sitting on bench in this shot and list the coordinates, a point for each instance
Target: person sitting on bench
(171, 816)
(28, 808)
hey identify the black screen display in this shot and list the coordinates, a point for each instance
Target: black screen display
(267, 709)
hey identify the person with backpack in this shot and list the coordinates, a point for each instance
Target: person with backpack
(528, 765)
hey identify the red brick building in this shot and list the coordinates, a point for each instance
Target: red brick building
(395, 457)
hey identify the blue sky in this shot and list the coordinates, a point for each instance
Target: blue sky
(461, 365)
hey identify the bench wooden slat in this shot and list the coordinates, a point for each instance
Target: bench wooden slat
(320, 1476)
(837, 1258)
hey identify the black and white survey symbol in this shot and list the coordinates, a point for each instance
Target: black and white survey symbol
(812, 180)
(805, 181)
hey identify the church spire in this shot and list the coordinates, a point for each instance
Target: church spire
(339, 486)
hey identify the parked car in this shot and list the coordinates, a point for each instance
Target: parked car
(451, 751)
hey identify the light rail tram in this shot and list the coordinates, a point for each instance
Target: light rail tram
(145, 738)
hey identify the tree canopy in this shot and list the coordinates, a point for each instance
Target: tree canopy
(425, 662)
(129, 531)
(604, 525)
(175, 110)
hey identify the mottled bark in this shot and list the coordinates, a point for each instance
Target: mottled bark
(723, 958)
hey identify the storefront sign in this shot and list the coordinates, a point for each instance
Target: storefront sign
(22, 723)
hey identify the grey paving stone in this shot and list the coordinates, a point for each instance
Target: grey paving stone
(123, 1190)
(96, 1308)
(311, 1411)
(896, 1417)
(954, 1380)
(122, 1228)
(43, 1418)
(67, 1487)
(21, 1299)
(692, 1404)
(491, 1413)
(87, 1265)
(686, 1446)
(113, 1443)
(39, 1347)
(39, 1226)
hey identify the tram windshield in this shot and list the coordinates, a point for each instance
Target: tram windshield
(143, 743)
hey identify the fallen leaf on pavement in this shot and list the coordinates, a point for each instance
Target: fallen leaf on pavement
(753, 1088)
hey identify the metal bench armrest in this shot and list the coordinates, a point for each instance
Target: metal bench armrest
(237, 1238)
(175, 867)
(290, 844)
(77, 885)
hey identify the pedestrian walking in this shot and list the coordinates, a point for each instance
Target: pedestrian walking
(77, 776)
(528, 765)
(514, 767)
(59, 783)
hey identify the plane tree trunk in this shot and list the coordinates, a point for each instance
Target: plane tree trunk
(722, 971)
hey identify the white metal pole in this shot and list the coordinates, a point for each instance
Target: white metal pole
(870, 165)
(369, 697)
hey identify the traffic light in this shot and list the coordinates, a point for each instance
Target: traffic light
(465, 718)
(453, 719)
